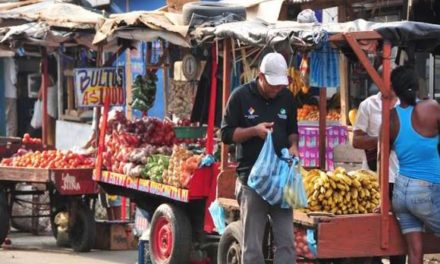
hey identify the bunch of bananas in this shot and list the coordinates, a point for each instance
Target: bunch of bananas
(297, 82)
(339, 192)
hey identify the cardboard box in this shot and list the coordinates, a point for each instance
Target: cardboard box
(115, 235)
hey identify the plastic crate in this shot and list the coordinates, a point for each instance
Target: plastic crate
(190, 132)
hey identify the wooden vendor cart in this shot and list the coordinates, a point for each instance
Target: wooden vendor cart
(70, 191)
(334, 238)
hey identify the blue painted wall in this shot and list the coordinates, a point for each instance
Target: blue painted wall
(138, 57)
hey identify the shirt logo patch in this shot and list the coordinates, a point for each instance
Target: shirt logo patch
(282, 114)
(250, 114)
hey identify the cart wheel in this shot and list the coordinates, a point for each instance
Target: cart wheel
(82, 230)
(229, 248)
(170, 235)
(4, 217)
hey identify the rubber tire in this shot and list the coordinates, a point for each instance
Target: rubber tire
(4, 217)
(209, 9)
(82, 234)
(233, 234)
(182, 234)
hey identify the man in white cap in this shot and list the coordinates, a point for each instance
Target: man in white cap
(252, 111)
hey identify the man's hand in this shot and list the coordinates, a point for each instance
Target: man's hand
(262, 129)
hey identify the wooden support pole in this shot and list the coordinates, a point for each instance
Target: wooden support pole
(344, 89)
(45, 132)
(322, 127)
(364, 59)
(128, 86)
(385, 147)
(226, 92)
(166, 78)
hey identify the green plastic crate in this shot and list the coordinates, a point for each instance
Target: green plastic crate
(190, 132)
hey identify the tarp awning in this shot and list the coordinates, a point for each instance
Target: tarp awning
(132, 25)
(56, 14)
(258, 33)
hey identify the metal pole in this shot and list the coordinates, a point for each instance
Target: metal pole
(212, 102)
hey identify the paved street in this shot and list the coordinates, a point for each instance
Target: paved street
(26, 249)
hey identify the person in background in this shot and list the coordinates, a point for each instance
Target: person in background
(10, 73)
(52, 99)
(414, 136)
(252, 111)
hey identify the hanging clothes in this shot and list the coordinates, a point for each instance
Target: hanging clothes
(200, 111)
(324, 67)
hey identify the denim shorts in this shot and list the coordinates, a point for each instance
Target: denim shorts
(416, 204)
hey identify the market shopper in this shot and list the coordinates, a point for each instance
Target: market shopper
(414, 136)
(252, 111)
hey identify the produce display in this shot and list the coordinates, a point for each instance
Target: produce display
(339, 192)
(156, 165)
(311, 113)
(27, 139)
(182, 166)
(182, 94)
(48, 159)
(144, 92)
(148, 148)
(302, 244)
(297, 82)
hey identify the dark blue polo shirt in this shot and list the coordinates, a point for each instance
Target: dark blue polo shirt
(246, 108)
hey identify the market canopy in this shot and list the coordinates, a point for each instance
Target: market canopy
(42, 35)
(48, 23)
(145, 26)
(422, 36)
(56, 14)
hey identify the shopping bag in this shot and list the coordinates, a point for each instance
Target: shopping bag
(218, 216)
(269, 174)
(294, 191)
(37, 117)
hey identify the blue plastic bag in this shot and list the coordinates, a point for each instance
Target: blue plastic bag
(269, 174)
(294, 191)
(218, 216)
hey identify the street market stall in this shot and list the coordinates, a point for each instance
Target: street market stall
(339, 222)
(65, 176)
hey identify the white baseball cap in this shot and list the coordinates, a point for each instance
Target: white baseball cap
(274, 68)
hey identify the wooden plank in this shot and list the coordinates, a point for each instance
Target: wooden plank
(24, 174)
(226, 183)
(303, 219)
(359, 236)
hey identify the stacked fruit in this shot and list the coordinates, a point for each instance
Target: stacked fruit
(311, 113)
(49, 159)
(302, 244)
(339, 192)
(182, 166)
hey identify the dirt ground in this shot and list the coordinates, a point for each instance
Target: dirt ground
(432, 259)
